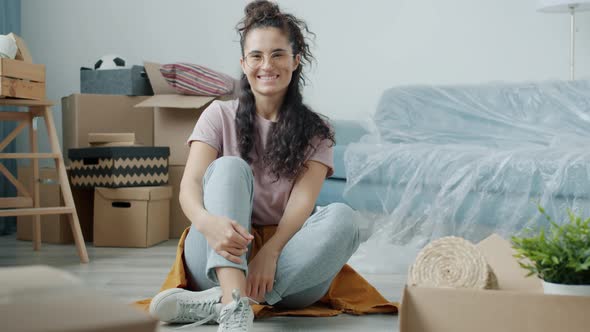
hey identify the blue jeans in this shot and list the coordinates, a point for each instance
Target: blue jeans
(309, 261)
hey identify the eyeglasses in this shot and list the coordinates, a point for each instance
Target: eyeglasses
(278, 59)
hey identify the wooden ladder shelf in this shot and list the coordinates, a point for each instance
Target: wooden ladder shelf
(28, 201)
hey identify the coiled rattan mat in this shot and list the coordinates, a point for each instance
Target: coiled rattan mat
(452, 262)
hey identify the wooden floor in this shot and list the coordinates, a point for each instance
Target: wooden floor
(132, 274)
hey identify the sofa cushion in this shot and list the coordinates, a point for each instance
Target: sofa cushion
(462, 185)
(346, 132)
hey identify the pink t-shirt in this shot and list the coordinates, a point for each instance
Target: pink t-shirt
(216, 126)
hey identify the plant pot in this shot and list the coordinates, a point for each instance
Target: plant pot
(561, 289)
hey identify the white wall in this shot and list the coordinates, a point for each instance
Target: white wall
(362, 47)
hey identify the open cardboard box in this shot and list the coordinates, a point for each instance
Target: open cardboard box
(42, 298)
(175, 115)
(519, 304)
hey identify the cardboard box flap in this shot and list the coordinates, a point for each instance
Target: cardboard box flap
(511, 276)
(135, 193)
(176, 101)
(158, 82)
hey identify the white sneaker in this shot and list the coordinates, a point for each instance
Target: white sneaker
(177, 305)
(236, 316)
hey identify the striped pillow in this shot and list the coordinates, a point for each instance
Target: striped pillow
(191, 79)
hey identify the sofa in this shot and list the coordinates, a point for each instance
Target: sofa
(346, 132)
(471, 160)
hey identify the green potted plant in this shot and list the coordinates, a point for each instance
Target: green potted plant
(559, 255)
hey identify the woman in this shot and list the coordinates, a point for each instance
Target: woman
(257, 162)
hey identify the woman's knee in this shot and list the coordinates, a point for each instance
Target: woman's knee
(229, 168)
(231, 163)
(345, 222)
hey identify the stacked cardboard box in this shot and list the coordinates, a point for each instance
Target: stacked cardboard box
(165, 119)
(119, 166)
(131, 217)
(131, 196)
(83, 114)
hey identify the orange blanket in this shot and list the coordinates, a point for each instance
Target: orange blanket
(349, 293)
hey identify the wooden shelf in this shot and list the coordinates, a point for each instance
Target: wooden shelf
(22, 80)
(24, 205)
(24, 102)
(14, 116)
(35, 211)
(29, 155)
(16, 202)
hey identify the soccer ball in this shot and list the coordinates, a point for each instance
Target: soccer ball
(110, 62)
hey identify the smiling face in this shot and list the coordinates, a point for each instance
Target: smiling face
(268, 61)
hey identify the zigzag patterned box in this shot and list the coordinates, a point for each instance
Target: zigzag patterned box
(115, 167)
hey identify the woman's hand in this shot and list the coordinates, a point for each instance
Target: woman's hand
(228, 238)
(261, 274)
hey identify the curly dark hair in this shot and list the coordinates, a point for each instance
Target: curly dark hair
(289, 139)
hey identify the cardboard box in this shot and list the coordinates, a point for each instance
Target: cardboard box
(54, 228)
(178, 221)
(131, 217)
(175, 115)
(43, 299)
(119, 166)
(102, 139)
(519, 304)
(84, 113)
(125, 81)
